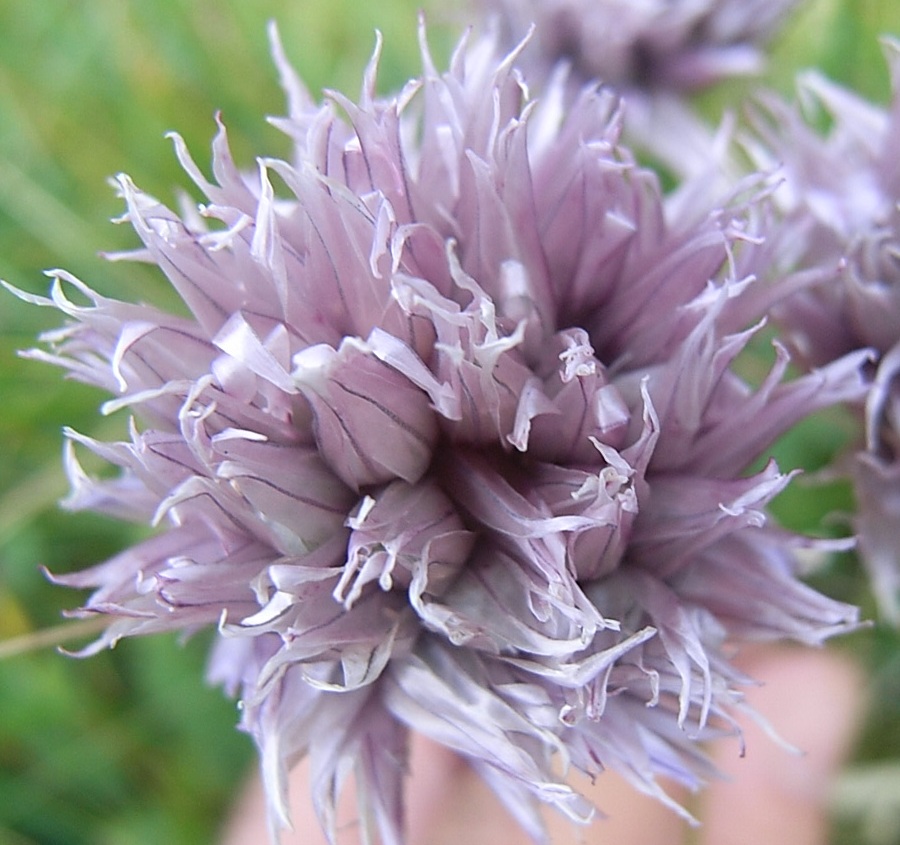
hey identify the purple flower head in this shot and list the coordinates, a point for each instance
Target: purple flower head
(450, 440)
(673, 45)
(841, 205)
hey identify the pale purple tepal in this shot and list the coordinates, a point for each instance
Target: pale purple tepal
(450, 441)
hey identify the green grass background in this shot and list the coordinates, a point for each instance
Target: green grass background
(130, 747)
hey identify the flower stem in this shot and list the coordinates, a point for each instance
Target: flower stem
(48, 637)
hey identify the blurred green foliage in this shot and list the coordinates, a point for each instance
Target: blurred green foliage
(129, 747)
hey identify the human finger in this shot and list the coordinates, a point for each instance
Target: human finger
(813, 699)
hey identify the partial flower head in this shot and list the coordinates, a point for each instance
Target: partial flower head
(449, 439)
(672, 45)
(840, 199)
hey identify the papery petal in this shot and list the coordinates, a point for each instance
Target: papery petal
(371, 424)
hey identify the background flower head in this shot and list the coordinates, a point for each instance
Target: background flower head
(427, 434)
(841, 204)
(668, 45)
(655, 54)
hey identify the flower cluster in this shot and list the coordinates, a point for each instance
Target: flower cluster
(673, 45)
(450, 439)
(841, 222)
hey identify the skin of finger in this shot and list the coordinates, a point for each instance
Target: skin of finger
(461, 808)
(626, 817)
(247, 821)
(814, 700)
(248, 826)
(436, 773)
(448, 803)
